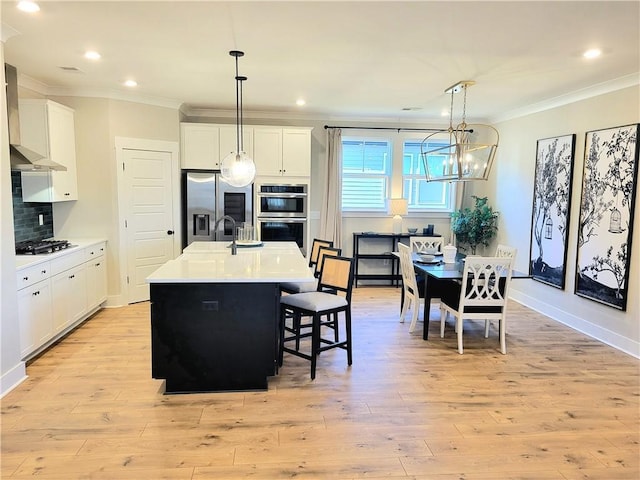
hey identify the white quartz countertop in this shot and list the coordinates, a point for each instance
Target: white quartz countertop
(212, 262)
(24, 261)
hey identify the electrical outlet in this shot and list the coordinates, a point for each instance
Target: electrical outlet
(41, 219)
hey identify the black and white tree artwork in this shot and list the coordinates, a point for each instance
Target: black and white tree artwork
(606, 215)
(551, 207)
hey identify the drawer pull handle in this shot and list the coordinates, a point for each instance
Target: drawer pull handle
(25, 278)
(98, 264)
(36, 293)
(44, 271)
(72, 276)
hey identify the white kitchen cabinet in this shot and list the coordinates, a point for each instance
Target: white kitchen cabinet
(56, 295)
(48, 128)
(276, 151)
(267, 151)
(296, 152)
(200, 146)
(282, 151)
(69, 297)
(35, 316)
(96, 274)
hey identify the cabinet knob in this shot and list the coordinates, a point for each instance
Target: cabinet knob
(25, 278)
(169, 232)
(44, 271)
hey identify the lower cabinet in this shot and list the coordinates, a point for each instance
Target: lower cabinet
(69, 289)
(96, 282)
(34, 313)
(69, 297)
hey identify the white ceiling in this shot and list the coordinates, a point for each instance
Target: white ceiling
(347, 59)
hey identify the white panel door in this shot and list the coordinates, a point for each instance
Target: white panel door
(149, 222)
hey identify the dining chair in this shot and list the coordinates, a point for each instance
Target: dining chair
(298, 287)
(412, 294)
(482, 295)
(324, 306)
(426, 244)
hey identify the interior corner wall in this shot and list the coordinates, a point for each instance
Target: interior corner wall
(12, 368)
(511, 191)
(97, 122)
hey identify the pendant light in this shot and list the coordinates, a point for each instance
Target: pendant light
(470, 151)
(237, 168)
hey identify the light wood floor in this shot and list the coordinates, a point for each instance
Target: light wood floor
(557, 406)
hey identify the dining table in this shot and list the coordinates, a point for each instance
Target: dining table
(440, 277)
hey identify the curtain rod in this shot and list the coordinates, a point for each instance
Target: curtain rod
(393, 128)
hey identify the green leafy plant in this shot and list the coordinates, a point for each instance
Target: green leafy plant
(476, 226)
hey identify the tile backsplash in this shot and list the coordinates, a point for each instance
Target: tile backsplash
(26, 215)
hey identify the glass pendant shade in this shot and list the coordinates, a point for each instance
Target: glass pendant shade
(238, 169)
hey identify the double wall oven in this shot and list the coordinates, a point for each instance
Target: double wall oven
(281, 213)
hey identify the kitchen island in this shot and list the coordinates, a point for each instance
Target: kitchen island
(214, 315)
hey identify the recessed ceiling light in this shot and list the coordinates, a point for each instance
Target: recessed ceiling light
(92, 55)
(130, 83)
(29, 7)
(592, 53)
(300, 102)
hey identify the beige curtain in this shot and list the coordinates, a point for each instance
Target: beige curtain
(331, 214)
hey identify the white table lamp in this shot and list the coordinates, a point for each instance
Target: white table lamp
(398, 207)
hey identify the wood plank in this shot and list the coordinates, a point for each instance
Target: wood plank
(558, 406)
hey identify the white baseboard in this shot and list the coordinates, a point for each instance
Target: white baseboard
(13, 378)
(580, 324)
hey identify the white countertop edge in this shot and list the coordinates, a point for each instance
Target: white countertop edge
(231, 280)
(26, 261)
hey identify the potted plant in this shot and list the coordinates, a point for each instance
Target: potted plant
(477, 226)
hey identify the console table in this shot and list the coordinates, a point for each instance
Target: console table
(386, 245)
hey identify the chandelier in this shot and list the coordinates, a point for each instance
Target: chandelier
(470, 151)
(237, 168)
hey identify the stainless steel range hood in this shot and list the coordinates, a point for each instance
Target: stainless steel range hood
(22, 158)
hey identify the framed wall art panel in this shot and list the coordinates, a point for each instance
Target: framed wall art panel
(605, 229)
(551, 207)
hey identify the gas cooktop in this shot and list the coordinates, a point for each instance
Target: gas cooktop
(37, 247)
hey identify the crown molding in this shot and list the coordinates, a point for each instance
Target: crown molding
(111, 94)
(630, 80)
(194, 112)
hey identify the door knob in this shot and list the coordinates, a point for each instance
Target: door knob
(169, 232)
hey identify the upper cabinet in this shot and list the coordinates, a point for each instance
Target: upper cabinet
(296, 152)
(276, 151)
(200, 144)
(204, 146)
(48, 128)
(267, 150)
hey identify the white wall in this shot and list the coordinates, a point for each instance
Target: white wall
(12, 369)
(511, 192)
(98, 121)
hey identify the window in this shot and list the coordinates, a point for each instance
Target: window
(374, 167)
(366, 166)
(423, 195)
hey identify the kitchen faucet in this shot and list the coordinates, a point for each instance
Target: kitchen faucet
(234, 248)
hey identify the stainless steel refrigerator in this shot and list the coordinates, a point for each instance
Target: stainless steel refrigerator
(206, 197)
